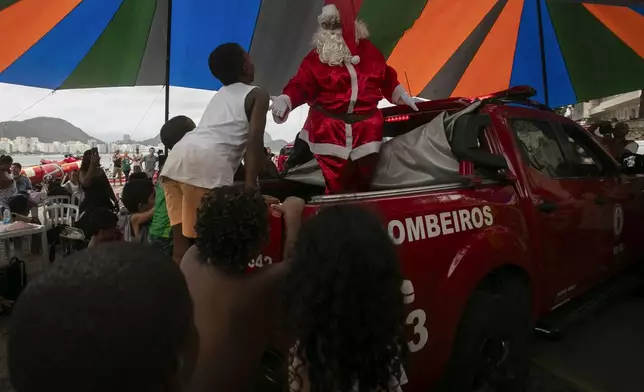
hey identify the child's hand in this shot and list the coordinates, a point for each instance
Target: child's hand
(270, 200)
(291, 208)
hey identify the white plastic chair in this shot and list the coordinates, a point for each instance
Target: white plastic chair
(60, 214)
(53, 200)
(77, 198)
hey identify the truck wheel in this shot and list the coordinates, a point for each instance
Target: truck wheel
(491, 351)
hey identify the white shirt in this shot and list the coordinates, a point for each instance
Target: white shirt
(208, 156)
(136, 159)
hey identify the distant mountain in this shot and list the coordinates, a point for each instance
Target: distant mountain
(155, 141)
(46, 129)
(274, 145)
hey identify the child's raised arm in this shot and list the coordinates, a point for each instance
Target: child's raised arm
(139, 219)
(257, 100)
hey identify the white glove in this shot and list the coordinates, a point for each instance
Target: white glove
(281, 107)
(401, 97)
(405, 99)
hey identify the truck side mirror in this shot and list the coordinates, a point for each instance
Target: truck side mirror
(465, 142)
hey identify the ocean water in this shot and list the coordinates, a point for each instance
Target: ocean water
(32, 160)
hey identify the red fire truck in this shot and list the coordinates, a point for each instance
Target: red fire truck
(534, 213)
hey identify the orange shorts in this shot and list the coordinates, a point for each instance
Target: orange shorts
(182, 201)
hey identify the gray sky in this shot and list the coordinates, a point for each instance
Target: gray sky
(108, 113)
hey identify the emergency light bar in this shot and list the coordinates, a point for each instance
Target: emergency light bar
(518, 92)
(519, 95)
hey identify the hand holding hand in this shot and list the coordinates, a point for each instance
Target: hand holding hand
(291, 208)
(270, 200)
(280, 108)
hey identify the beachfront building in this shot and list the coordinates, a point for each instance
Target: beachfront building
(620, 107)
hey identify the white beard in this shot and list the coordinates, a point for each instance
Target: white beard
(331, 46)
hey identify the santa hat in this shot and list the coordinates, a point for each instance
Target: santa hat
(347, 12)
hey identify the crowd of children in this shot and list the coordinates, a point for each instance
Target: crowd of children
(125, 317)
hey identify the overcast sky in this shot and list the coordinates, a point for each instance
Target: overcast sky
(108, 113)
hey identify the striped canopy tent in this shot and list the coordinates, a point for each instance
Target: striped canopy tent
(569, 50)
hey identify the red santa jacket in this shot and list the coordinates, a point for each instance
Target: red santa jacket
(344, 89)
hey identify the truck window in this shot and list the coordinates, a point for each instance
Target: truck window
(539, 146)
(586, 158)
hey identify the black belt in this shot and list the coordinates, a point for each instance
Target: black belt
(347, 118)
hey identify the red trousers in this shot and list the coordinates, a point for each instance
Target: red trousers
(347, 176)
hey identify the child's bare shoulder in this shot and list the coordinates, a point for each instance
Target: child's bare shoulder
(259, 94)
(192, 254)
(191, 260)
(257, 97)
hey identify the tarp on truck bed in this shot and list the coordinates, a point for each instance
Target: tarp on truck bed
(420, 157)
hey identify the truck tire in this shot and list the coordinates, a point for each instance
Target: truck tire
(491, 351)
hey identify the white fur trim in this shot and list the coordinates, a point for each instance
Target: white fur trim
(365, 149)
(362, 31)
(329, 13)
(340, 151)
(325, 148)
(354, 86)
(348, 135)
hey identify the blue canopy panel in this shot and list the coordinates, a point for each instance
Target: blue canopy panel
(560, 90)
(53, 58)
(638, 8)
(527, 69)
(198, 27)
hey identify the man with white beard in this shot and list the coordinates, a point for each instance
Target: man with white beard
(343, 78)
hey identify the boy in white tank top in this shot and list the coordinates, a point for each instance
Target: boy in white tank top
(232, 128)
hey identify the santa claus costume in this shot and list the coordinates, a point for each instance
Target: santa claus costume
(342, 79)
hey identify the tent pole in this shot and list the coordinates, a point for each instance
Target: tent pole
(542, 48)
(167, 66)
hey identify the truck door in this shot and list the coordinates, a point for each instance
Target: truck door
(565, 212)
(274, 250)
(595, 172)
(624, 201)
(629, 245)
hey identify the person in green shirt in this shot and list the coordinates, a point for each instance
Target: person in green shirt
(160, 234)
(126, 164)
